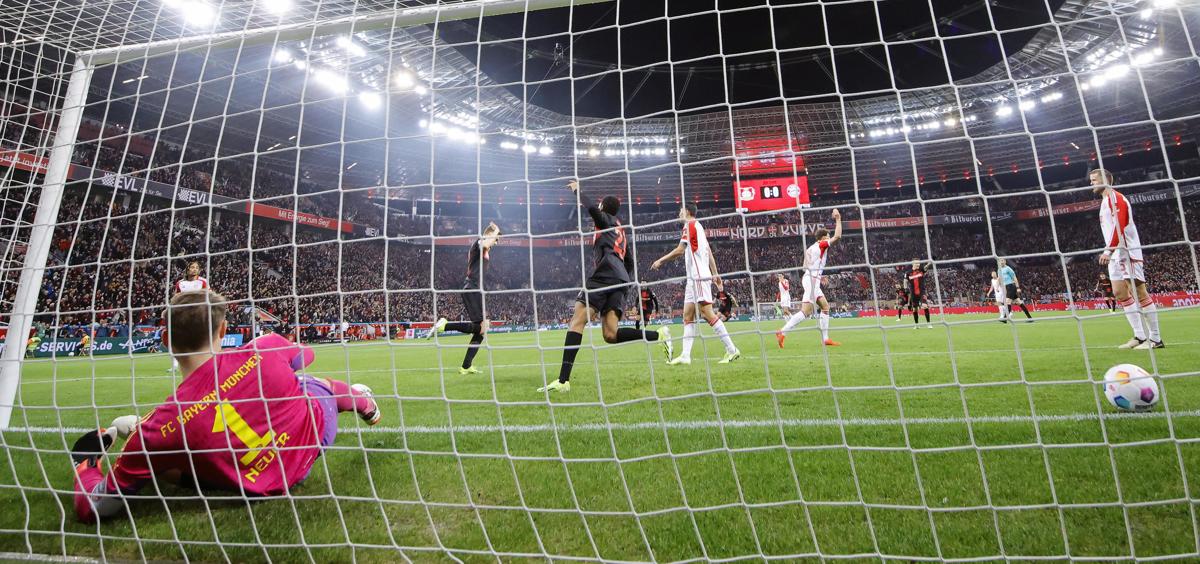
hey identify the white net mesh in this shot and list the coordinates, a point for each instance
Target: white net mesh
(327, 166)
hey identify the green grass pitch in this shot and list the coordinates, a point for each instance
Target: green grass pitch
(970, 440)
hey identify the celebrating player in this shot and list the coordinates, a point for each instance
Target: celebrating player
(226, 420)
(901, 301)
(191, 280)
(785, 294)
(725, 303)
(1012, 289)
(472, 297)
(1104, 287)
(996, 290)
(701, 269)
(647, 306)
(605, 291)
(814, 263)
(916, 292)
(1123, 257)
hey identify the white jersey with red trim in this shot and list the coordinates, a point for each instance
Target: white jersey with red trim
(785, 288)
(1116, 222)
(814, 258)
(698, 252)
(185, 285)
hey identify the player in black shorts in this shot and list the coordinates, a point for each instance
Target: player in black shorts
(605, 290)
(1104, 285)
(647, 306)
(725, 303)
(472, 297)
(916, 291)
(901, 301)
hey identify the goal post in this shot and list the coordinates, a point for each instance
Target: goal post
(24, 306)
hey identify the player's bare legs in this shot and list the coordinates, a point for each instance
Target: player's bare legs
(612, 333)
(1143, 305)
(806, 311)
(823, 322)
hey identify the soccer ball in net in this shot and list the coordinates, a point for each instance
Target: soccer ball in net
(1130, 388)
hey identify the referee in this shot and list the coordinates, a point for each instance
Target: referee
(1012, 288)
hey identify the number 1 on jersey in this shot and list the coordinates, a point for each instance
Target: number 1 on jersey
(228, 415)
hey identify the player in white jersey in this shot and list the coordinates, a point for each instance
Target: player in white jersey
(814, 265)
(697, 294)
(1123, 257)
(997, 292)
(191, 281)
(785, 295)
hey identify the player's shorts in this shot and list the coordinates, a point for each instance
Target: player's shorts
(604, 300)
(915, 300)
(697, 292)
(812, 289)
(1010, 291)
(1119, 269)
(1108, 292)
(785, 300)
(322, 396)
(473, 303)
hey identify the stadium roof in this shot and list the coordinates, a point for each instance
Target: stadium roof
(256, 97)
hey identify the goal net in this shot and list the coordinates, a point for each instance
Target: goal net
(392, 185)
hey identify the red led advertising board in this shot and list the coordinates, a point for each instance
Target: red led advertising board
(770, 155)
(765, 194)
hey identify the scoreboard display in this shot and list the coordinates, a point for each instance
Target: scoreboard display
(766, 194)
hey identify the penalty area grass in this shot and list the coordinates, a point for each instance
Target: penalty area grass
(970, 439)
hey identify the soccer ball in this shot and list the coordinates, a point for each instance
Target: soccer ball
(1130, 388)
(72, 353)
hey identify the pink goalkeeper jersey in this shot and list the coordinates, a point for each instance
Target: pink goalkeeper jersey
(240, 421)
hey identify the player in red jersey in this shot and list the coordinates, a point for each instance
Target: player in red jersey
(647, 307)
(901, 301)
(916, 292)
(1123, 257)
(814, 265)
(244, 420)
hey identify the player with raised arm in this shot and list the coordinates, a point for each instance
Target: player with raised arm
(1123, 257)
(647, 306)
(785, 294)
(606, 288)
(996, 291)
(814, 264)
(701, 273)
(1012, 289)
(1104, 287)
(915, 284)
(476, 325)
(224, 425)
(725, 303)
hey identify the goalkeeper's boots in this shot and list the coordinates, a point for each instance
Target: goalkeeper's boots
(373, 415)
(730, 357)
(1132, 343)
(680, 361)
(832, 343)
(556, 386)
(664, 337)
(439, 327)
(469, 370)
(1150, 344)
(779, 338)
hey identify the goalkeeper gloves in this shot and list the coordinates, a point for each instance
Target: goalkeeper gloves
(88, 448)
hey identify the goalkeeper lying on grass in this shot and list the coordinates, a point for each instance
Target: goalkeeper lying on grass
(242, 420)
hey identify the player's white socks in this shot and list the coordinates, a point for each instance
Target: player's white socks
(719, 329)
(689, 337)
(1133, 316)
(1151, 312)
(1003, 312)
(793, 321)
(823, 324)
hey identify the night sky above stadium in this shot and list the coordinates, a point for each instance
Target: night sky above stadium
(746, 33)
